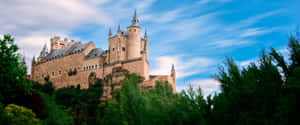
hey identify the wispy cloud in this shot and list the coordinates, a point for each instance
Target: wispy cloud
(184, 67)
(201, 2)
(251, 20)
(208, 86)
(256, 31)
(230, 42)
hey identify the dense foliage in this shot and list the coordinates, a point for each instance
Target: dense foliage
(265, 92)
(18, 115)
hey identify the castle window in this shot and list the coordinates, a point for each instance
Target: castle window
(113, 49)
(59, 72)
(96, 66)
(92, 66)
(52, 73)
(129, 30)
(89, 67)
(134, 30)
(123, 48)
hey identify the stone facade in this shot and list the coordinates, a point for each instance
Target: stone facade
(71, 63)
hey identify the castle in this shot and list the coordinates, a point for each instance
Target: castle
(70, 63)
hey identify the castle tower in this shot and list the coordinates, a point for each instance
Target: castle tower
(134, 39)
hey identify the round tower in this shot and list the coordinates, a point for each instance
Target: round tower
(134, 39)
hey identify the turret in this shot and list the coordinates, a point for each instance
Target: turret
(119, 32)
(135, 20)
(33, 60)
(119, 28)
(109, 34)
(44, 51)
(173, 72)
(134, 38)
(145, 36)
(32, 67)
(23, 61)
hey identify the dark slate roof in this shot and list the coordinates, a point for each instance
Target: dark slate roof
(78, 48)
(59, 53)
(95, 52)
(63, 51)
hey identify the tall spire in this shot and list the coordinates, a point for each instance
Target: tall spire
(135, 20)
(44, 51)
(145, 33)
(33, 60)
(119, 28)
(173, 67)
(109, 33)
(23, 60)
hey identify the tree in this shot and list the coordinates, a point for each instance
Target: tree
(81, 104)
(250, 94)
(131, 101)
(18, 115)
(12, 72)
(54, 114)
(289, 104)
(113, 114)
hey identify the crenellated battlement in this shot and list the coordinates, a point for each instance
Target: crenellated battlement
(57, 43)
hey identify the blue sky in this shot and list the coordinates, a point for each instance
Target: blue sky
(195, 35)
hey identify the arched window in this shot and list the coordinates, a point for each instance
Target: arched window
(123, 48)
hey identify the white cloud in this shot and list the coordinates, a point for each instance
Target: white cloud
(208, 86)
(184, 67)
